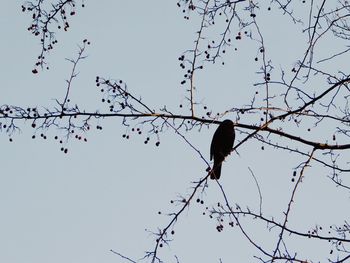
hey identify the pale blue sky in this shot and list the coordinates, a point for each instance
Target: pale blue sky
(103, 194)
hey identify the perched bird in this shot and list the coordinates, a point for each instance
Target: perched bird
(221, 146)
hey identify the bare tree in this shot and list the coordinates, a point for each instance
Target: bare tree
(299, 106)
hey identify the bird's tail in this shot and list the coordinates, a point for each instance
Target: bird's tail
(215, 172)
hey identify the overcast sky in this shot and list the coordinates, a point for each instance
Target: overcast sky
(106, 193)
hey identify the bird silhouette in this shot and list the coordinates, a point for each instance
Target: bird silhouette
(221, 146)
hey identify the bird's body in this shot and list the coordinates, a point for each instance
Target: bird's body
(221, 146)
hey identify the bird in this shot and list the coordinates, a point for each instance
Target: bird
(221, 146)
